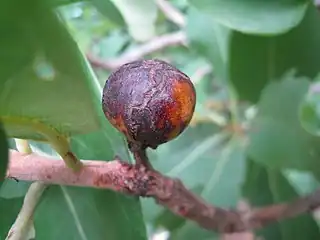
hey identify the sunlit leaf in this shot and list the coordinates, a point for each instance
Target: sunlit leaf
(257, 17)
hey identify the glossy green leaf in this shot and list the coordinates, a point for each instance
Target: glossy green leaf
(255, 60)
(4, 154)
(309, 110)
(277, 138)
(43, 78)
(140, 17)
(265, 187)
(9, 209)
(256, 17)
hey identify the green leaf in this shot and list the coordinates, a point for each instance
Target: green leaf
(304, 182)
(255, 60)
(116, 39)
(255, 17)
(9, 209)
(4, 154)
(203, 161)
(265, 187)
(91, 213)
(219, 189)
(59, 3)
(180, 157)
(140, 17)
(43, 79)
(13, 189)
(210, 40)
(105, 143)
(277, 138)
(109, 10)
(87, 214)
(309, 111)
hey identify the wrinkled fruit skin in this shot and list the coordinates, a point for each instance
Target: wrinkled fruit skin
(149, 101)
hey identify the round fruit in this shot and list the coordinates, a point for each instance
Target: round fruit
(149, 101)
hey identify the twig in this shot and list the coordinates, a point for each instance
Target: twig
(201, 73)
(138, 181)
(171, 12)
(23, 226)
(156, 44)
(24, 223)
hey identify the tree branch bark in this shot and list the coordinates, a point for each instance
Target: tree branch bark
(136, 180)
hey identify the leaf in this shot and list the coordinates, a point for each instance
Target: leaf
(109, 10)
(263, 187)
(87, 214)
(91, 213)
(4, 154)
(277, 139)
(140, 17)
(12, 189)
(254, 17)
(309, 113)
(43, 79)
(59, 3)
(220, 189)
(254, 61)
(105, 143)
(9, 209)
(203, 161)
(210, 40)
(180, 157)
(304, 182)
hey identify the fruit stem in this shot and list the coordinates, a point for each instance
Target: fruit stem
(141, 158)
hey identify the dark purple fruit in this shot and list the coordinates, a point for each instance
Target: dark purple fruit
(149, 101)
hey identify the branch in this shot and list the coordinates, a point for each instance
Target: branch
(171, 193)
(23, 226)
(156, 44)
(171, 12)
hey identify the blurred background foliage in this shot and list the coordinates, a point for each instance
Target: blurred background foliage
(253, 140)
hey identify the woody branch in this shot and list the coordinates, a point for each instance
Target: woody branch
(136, 180)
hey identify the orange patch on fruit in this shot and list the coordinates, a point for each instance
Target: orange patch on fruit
(181, 111)
(118, 123)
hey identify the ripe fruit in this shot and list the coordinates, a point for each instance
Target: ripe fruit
(149, 101)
